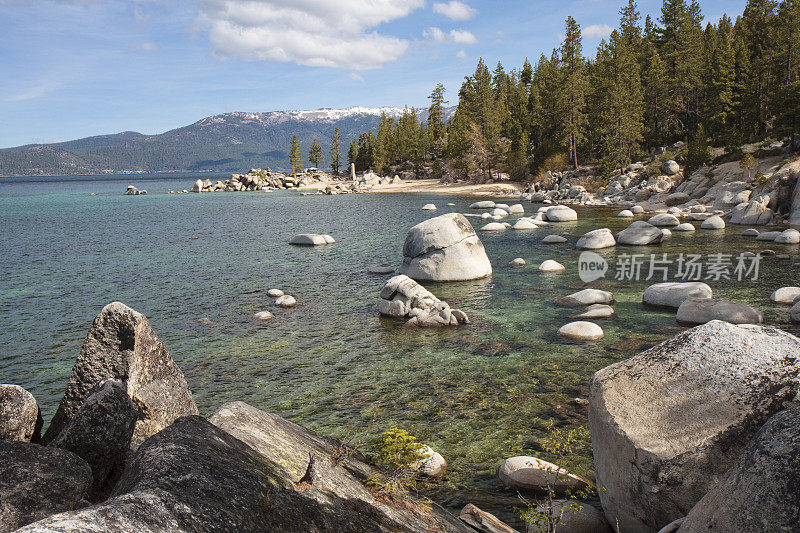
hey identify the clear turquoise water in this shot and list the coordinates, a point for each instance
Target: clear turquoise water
(477, 394)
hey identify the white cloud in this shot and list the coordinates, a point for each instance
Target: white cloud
(315, 33)
(455, 10)
(597, 31)
(148, 47)
(461, 54)
(356, 76)
(456, 36)
(463, 37)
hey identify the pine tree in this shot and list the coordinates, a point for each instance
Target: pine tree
(315, 153)
(573, 95)
(436, 125)
(295, 159)
(352, 153)
(336, 143)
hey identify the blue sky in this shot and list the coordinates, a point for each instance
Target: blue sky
(75, 68)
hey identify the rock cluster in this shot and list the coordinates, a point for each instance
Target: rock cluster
(402, 297)
(133, 191)
(258, 179)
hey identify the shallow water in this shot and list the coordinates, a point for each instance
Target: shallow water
(476, 394)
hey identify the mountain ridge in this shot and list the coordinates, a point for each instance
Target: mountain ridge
(225, 142)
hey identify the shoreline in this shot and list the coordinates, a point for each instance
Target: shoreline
(429, 186)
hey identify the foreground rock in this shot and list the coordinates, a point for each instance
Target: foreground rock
(576, 517)
(640, 233)
(533, 474)
(100, 434)
(581, 331)
(482, 521)
(291, 446)
(587, 297)
(402, 297)
(794, 312)
(789, 236)
(595, 240)
(38, 481)
(194, 476)
(759, 492)
(702, 310)
(674, 293)
(445, 248)
(433, 465)
(668, 422)
(311, 239)
(121, 345)
(20, 417)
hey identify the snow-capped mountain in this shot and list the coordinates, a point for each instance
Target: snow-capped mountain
(227, 142)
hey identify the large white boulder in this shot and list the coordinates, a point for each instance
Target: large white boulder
(789, 236)
(714, 222)
(311, 239)
(674, 293)
(596, 239)
(445, 248)
(561, 213)
(667, 423)
(640, 233)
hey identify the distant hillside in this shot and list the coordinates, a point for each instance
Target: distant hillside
(229, 142)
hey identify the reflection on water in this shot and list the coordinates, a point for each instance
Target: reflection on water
(477, 394)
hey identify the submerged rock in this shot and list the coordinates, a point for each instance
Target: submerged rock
(445, 248)
(759, 492)
(121, 345)
(674, 293)
(596, 311)
(587, 297)
(274, 293)
(402, 297)
(264, 316)
(38, 481)
(518, 262)
(554, 239)
(287, 300)
(20, 417)
(702, 310)
(482, 521)
(668, 422)
(494, 226)
(484, 204)
(575, 517)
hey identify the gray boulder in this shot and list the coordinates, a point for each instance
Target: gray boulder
(794, 312)
(664, 220)
(20, 417)
(402, 297)
(484, 204)
(594, 240)
(768, 236)
(750, 232)
(587, 297)
(596, 311)
(581, 331)
(121, 345)
(759, 492)
(667, 423)
(38, 481)
(673, 294)
(714, 222)
(533, 474)
(789, 236)
(750, 213)
(311, 239)
(445, 248)
(100, 434)
(640, 233)
(670, 168)
(686, 226)
(702, 310)
(677, 198)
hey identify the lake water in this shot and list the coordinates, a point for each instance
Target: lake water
(476, 394)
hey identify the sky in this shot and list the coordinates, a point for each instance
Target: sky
(76, 68)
